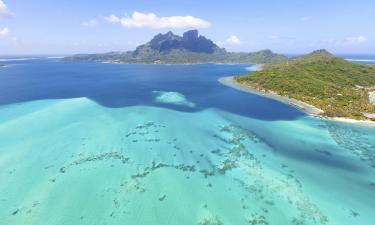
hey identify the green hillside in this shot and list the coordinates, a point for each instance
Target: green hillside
(335, 85)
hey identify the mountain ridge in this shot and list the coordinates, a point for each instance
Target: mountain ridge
(190, 48)
(189, 41)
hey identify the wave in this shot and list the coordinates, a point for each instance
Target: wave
(16, 59)
(361, 60)
(55, 57)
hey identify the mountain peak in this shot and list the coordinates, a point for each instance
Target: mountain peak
(265, 51)
(316, 56)
(322, 52)
(190, 35)
(190, 41)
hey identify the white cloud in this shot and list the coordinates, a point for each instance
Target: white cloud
(113, 19)
(90, 23)
(347, 41)
(233, 40)
(4, 32)
(355, 40)
(151, 20)
(4, 11)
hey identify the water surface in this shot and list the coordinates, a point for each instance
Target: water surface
(90, 143)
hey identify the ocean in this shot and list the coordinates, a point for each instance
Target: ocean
(91, 143)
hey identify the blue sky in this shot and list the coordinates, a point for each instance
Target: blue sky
(80, 26)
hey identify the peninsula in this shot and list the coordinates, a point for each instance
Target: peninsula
(336, 86)
(190, 48)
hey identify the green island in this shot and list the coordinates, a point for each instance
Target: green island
(190, 48)
(339, 87)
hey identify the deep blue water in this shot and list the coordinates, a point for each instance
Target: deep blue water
(126, 85)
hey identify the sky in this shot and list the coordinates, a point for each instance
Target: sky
(90, 26)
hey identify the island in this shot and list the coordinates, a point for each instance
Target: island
(336, 86)
(190, 48)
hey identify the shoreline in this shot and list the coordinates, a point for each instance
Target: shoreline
(304, 107)
(170, 64)
(299, 105)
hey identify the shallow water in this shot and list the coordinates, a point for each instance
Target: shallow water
(87, 143)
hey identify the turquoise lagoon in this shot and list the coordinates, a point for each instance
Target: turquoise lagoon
(80, 143)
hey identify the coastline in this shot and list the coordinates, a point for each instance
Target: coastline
(174, 64)
(301, 106)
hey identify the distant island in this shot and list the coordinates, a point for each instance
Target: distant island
(191, 48)
(338, 87)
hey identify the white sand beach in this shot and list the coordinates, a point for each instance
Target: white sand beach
(302, 106)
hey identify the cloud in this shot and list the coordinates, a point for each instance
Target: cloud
(233, 40)
(151, 20)
(113, 19)
(4, 32)
(4, 11)
(90, 23)
(357, 40)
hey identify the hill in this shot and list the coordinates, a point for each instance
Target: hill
(190, 48)
(337, 86)
(190, 41)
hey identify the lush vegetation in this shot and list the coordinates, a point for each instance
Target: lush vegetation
(189, 49)
(337, 86)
